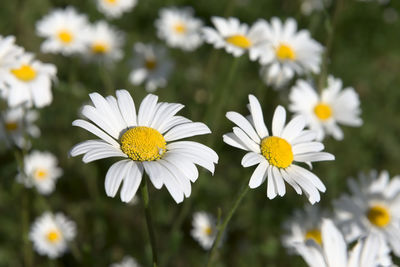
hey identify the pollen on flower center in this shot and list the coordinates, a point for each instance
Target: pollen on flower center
(143, 143)
(239, 41)
(180, 28)
(113, 2)
(53, 236)
(285, 52)
(99, 48)
(150, 63)
(379, 215)
(25, 73)
(314, 234)
(277, 151)
(11, 126)
(40, 174)
(323, 111)
(65, 36)
(208, 230)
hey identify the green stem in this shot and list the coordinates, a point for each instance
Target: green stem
(106, 79)
(149, 222)
(221, 228)
(28, 257)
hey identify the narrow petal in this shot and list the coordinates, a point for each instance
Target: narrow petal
(131, 182)
(147, 109)
(313, 157)
(280, 185)
(271, 190)
(258, 118)
(294, 128)
(244, 124)
(259, 175)
(127, 107)
(251, 159)
(186, 130)
(246, 140)
(154, 172)
(114, 176)
(232, 140)
(278, 121)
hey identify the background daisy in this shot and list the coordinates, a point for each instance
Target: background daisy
(10, 55)
(204, 229)
(126, 262)
(115, 8)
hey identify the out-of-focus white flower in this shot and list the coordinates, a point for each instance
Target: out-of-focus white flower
(151, 66)
(115, 8)
(126, 262)
(325, 111)
(17, 124)
(275, 155)
(65, 31)
(204, 229)
(179, 28)
(372, 208)
(40, 171)
(309, 6)
(10, 55)
(51, 234)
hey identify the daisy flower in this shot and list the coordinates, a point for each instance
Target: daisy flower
(40, 171)
(179, 28)
(65, 31)
(51, 234)
(325, 111)
(17, 124)
(275, 154)
(105, 42)
(373, 207)
(29, 83)
(368, 252)
(126, 262)
(309, 6)
(9, 57)
(151, 66)
(235, 37)
(288, 51)
(204, 229)
(115, 8)
(145, 142)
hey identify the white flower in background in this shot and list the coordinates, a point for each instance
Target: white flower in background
(368, 252)
(29, 83)
(275, 154)
(277, 81)
(151, 66)
(309, 6)
(288, 51)
(126, 262)
(325, 111)
(17, 124)
(51, 234)
(179, 28)
(115, 8)
(204, 229)
(65, 31)
(236, 37)
(145, 141)
(373, 207)
(40, 171)
(105, 41)
(304, 227)
(9, 57)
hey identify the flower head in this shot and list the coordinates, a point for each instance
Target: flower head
(204, 229)
(10, 55)
(126, 262)
(115, 8)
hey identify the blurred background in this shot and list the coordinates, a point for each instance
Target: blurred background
(365, 54)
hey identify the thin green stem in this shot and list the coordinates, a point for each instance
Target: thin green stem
(28, 257)
(106, 79)
(222, 227)
(149, 222)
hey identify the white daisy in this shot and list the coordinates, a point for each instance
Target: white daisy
(368, 252)
(276, 154)
(65, 31)
(373, 207)
(151, 66)
(325, 111)
(115, 8)
(236, 37)
(146, 142)
(105, 42)
(51, 234)
(309, 6)
(288, 51)
(179, 28)
(40, 171)
(9, 57)
(18, 124)
(126, 262)
(277, 81)
(29, 83)
(204, 229)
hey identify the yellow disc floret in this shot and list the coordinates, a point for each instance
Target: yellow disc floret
(40, 174)
(239, 41)
(378, 215)
(314, 234)
(25, 73)
(113, 2)
(65, 36)
(180, 28)
(277, 151)
(53, 236)
(150, 63)
(208, 230)
(323, 111)
(11, 126)
(143, 143)
(100, 48)
(285, 52)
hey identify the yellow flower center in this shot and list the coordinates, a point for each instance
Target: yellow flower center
(208, 230)
(65, 36)
(150, 63)
(25, 73)
(11, 126)
(143, 143)
(314, 234)
(180, 28)
(379, 215)
(113, 2)
(40, 174)
(285, 52)
(100, 48)
(239, 41)
(53, 236)
(277, 151)
(323, 111)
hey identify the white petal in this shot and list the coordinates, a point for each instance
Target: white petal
(278, 121)
(186, 130)
(258, 118)
(194, 147)
(307, 147)
(313, 157)
(271, 191)
(244, 124)
(132, 181)
(96, 131)
(310, 176)
(127, 107)
(246, 140)
(179, 177)
(280, 185)
(259, 175)
(232, 140)
(334, 245)
(291, 181)
(114, 176)
(251, 159)
(98, 118)
(293, 128)
(154, 172)
(147, 109)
